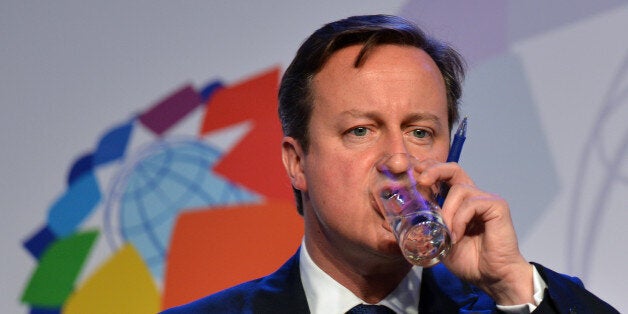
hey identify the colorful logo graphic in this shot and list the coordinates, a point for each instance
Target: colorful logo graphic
(184, 199)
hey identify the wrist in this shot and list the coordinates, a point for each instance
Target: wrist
(515, 288)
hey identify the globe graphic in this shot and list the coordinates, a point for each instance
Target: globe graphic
(165, 179)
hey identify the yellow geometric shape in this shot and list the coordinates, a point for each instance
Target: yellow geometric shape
(123, 284)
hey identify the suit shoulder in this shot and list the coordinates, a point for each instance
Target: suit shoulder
(279, 292)
(568, 294)
(226, 301)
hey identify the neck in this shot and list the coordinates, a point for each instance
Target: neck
(370, 276)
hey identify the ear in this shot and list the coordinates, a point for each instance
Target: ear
(292, 156)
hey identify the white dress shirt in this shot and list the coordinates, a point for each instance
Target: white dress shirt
(325, 295)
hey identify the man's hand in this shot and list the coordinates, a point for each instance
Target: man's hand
(485, 250)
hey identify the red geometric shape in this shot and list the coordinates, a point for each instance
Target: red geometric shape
(255, 162)
(217, 248)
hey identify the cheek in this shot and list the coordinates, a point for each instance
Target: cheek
(436, 152)
(441, 154)
(331, 177)
(439, 150)
(336, 180)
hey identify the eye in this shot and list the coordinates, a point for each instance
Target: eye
(419, 133)
(359, 131)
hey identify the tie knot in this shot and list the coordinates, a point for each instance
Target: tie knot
(370, 309)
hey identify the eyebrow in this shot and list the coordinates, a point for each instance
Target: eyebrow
(423, 117)
(413, 117)
(360, 114)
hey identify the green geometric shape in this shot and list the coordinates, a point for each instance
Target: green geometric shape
(55, 276)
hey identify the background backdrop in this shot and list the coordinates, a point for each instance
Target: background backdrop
(141, 149)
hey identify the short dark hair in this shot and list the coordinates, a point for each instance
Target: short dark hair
(295, 90)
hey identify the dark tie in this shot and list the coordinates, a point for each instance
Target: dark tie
(370, 309)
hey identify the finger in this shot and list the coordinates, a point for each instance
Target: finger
(451, 173)
(474, 214)
(455, 199)
(463, 207)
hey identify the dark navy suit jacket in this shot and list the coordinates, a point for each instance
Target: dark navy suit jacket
(441, 292)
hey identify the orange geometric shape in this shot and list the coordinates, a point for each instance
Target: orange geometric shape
(217, 248)
(258, 156)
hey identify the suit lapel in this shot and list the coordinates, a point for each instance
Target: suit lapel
(282, 291)
(441, 292)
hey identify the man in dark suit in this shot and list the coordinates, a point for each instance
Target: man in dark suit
(360, 89)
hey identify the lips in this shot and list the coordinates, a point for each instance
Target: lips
(386, 226)
(380, 213)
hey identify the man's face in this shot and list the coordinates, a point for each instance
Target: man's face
(394, 103)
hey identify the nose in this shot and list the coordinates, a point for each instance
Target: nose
(396, 157)
(394, 164)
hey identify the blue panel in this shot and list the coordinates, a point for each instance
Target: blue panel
(45, 311)
(209, 90)
(39, 242)
(113, 144)
(74, 206)
(82, 165)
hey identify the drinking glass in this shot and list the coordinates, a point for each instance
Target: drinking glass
(411, 211)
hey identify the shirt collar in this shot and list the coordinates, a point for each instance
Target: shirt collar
(325, 295)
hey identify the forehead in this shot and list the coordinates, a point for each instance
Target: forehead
(382, 56)
(389, 73)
